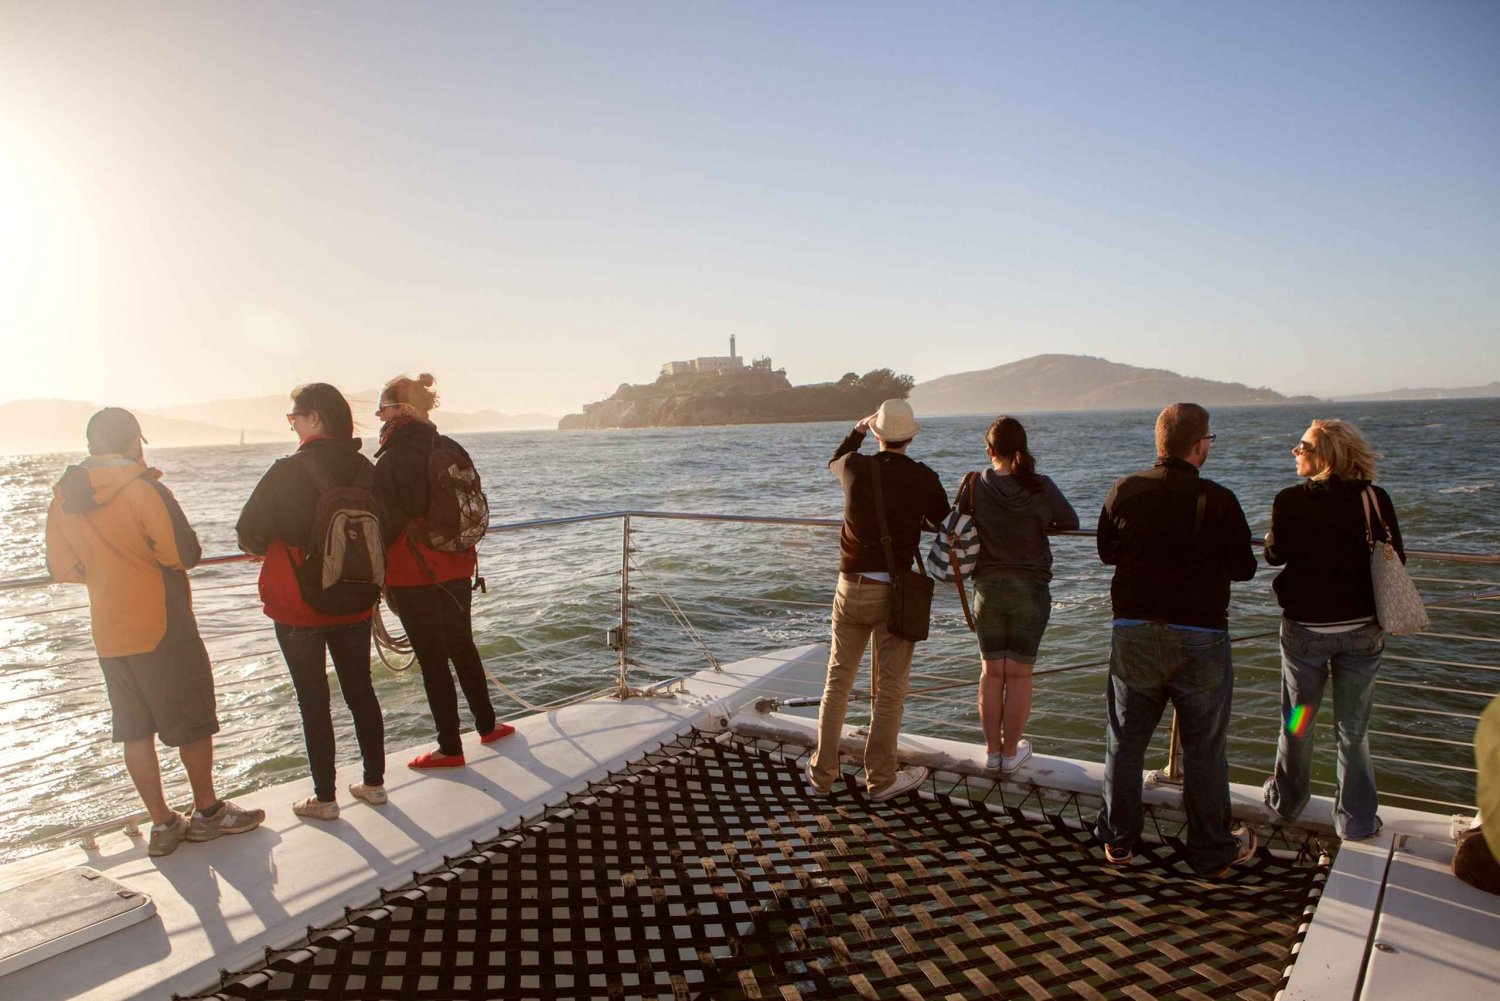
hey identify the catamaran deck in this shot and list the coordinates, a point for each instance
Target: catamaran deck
(652, 848)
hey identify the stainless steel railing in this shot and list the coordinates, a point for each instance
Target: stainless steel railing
(947, 662)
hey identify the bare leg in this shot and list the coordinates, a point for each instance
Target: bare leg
(992, 702)
(198, 759)
(145, 773)
(1017, 702)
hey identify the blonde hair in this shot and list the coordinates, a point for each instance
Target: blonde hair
(1344, 451)
(416, 393)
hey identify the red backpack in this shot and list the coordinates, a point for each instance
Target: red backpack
(458, 513)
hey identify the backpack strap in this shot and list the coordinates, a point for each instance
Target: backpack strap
(1202, 505)
(317, 474)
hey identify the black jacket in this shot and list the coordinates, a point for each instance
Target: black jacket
(401, 475)
(915, 501)
(1165, 571)
(281, 506)
(1318, 533)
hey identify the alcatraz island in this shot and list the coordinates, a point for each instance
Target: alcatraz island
(725, 390)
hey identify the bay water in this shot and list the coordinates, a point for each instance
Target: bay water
(702, 590)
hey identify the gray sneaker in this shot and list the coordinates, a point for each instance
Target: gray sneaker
(165, 840)
(230, 819)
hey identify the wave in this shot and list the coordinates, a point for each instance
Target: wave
(1470, 488)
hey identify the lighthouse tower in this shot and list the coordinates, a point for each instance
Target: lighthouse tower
(731, 346)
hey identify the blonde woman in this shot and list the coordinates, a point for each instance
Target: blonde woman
(1328, 628)
(428, 588)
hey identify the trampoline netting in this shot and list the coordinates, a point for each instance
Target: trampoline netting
(707, 870)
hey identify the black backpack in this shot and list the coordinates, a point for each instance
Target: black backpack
(458, 513)
(344, 568)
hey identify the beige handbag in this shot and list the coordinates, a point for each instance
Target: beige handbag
(1398, 606)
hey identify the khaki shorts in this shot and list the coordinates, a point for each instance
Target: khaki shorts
(169, 691)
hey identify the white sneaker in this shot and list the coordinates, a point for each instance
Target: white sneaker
(992, 761)
(374, 795)
(315, 809)
(906, 780)
(1010, 762)
(812, 786)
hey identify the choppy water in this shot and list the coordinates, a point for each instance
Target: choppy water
(749, 588)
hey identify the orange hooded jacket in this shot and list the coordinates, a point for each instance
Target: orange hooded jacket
(113, 527)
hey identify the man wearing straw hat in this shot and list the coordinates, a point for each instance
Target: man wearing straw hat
(113, 527)
(914, 500)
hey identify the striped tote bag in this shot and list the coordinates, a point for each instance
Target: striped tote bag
(958, 536)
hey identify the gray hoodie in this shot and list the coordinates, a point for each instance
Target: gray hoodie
(1013, 523)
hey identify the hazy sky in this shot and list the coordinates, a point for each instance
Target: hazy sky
(537, 201)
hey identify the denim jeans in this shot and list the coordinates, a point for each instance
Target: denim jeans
(1149, 665)
(303, 647)
(860, 608)
(1307, 661)
(436, 620)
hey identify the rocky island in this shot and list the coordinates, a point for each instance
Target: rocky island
(724, 390)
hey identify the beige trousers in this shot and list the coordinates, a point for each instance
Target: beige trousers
(860, 608)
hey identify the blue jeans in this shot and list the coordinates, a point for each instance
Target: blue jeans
(1149, 665)
(1307, 661)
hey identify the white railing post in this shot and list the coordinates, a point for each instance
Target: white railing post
(624, 642)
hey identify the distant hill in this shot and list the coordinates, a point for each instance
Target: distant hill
(57, 425)
(1459, 393)
(1078, 382)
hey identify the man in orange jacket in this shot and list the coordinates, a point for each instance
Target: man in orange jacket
(113, 527)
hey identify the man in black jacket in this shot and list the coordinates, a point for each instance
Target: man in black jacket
(914, 500)
(1176, 540)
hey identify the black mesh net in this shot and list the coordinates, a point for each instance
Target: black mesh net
(708, 870)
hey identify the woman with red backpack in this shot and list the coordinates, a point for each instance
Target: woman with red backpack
(433, 515)
(312, 518)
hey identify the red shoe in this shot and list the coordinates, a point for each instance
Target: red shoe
(501, 730)
(437, 759)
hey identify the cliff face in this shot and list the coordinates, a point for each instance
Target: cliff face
(746, 397)
(1078, 382)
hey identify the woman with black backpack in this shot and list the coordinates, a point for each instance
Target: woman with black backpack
(434, 514)
(312, 518)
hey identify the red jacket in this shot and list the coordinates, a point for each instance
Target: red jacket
(401, 487)
(281, 509)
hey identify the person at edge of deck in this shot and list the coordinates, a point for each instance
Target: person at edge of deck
(1328, 627)
(276, 525)
(1476, 857)
(1014, 508)
(1176, 539)
(429, 590)
(915, 501)
(113, 527)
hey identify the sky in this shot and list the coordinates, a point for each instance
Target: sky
(539, 201)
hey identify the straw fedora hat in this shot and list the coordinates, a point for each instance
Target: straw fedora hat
(894, 421)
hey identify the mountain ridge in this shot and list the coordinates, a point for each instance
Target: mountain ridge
(1079, 382)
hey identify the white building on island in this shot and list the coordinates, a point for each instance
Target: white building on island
(732, 362)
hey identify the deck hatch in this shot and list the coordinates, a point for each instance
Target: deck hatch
(61, 911)
(707, 870)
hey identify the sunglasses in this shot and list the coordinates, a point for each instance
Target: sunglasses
(1303, 447)
(1209, 437)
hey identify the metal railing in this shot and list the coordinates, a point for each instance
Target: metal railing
(1439, 723)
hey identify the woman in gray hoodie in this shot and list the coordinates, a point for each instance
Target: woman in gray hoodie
(1014, 508)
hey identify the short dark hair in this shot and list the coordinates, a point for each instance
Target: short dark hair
(112, 431)
(889, 445)
(1178, 428)
(329, 404)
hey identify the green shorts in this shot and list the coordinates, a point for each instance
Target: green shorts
(169, 691)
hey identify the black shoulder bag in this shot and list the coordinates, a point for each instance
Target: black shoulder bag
(911, 593)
